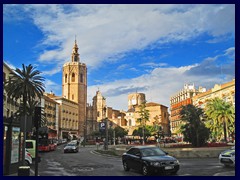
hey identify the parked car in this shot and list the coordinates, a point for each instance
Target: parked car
(28, 158)
(31, 147)
(71, 147)
(148, 160)
(227, 157)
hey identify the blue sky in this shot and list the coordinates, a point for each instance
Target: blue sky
(152, 49)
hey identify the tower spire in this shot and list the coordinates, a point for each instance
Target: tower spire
(75, 55)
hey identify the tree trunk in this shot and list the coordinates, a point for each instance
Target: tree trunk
(224, 130)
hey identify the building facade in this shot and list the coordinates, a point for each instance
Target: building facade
(11, 129)
(181, 98)
(51, 110)
(74, 86)
(68, 122)
(224, 91)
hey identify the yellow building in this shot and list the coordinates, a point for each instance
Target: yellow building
(51, 110)
(224, 91)
(158, 114)
(67, 117)
(74, 86)
(10, 106)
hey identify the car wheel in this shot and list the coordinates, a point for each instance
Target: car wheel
(125, 166)
(145, 170)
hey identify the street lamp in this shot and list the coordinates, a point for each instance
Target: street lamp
(106, 129)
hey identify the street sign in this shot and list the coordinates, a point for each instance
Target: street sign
(102, 126)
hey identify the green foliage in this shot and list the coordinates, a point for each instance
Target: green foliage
(139, 132)
(27, 85)
(220, 118)
(120, 132)
(144, 117)
(193, 129)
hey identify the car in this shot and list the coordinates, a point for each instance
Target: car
(149, 159)
(227, 157)
(28, 158)
(71, 147)
(31, 147)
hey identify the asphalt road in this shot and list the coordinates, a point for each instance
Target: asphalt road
(86, 163)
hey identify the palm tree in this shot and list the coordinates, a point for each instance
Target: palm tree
(220, 114)
(144, 117)
(26, 85)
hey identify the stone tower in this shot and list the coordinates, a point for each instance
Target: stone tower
(99, 103)
(135, 99)
(74, 85)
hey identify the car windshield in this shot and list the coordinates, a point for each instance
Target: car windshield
(152, 152)
(71, 144)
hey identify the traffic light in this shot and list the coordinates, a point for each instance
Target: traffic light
(37, 117)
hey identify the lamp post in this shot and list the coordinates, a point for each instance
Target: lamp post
(106, 129)
(106, 140)
(37, 117)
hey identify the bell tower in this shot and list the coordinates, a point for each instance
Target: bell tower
(74, 85)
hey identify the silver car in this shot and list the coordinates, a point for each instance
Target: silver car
(71, 147)
(227, 157)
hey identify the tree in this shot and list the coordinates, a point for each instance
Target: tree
(147, 132)
(144, 117)
(120, 132)
(26, 85)
(220, 117)
(193, 129)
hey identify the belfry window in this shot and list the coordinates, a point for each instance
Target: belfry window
(73, 77)
(81, 77)
(65, 78)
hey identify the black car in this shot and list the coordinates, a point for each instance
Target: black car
(148, 160)
(71, 147)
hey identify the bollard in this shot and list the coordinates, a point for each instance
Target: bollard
(24, 171)
(97, 144)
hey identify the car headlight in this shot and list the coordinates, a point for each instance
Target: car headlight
(157, 164)
(176, 162)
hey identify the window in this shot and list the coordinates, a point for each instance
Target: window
(130, 122)
(72, 96)
(134, 151)
(65, 78)
(73, 77)
(81, 77)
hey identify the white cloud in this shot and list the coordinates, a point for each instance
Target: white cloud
(52, 86)
(163, 82)
(106, 31)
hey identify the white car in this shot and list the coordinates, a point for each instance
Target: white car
(28, 158)
(227, 157)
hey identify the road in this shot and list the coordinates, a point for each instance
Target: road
(86, 163)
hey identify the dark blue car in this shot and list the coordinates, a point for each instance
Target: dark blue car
(148, 160)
